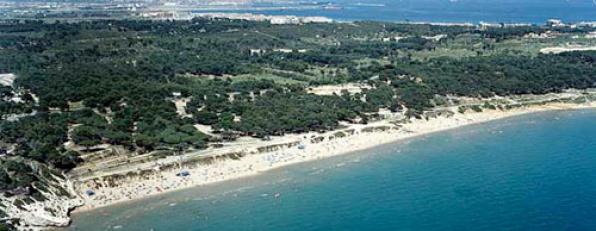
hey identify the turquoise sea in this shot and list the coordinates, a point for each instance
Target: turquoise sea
(454, 11)
(532, 172)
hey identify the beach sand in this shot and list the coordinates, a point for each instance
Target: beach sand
(161, 181)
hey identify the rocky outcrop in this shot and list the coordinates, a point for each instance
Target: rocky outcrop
(49, 205)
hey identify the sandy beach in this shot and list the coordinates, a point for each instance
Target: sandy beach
(357, 137)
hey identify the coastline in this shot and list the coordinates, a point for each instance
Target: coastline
(232, 122)
(134, 187)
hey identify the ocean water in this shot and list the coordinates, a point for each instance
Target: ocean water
(454, 11)
(532, 172)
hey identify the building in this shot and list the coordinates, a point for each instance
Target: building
(555, 23)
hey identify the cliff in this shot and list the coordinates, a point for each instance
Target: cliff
(43, 205)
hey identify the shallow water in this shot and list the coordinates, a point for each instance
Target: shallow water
(458, 11)
(533, 172)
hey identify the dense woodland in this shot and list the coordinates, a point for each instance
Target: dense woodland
(113, 82)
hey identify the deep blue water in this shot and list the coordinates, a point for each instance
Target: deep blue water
(473, 11)
(534, 172)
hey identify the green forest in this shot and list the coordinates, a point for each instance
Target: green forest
(113, 82)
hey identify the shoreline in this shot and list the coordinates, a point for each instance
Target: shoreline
(281, 13)
(159, 182)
